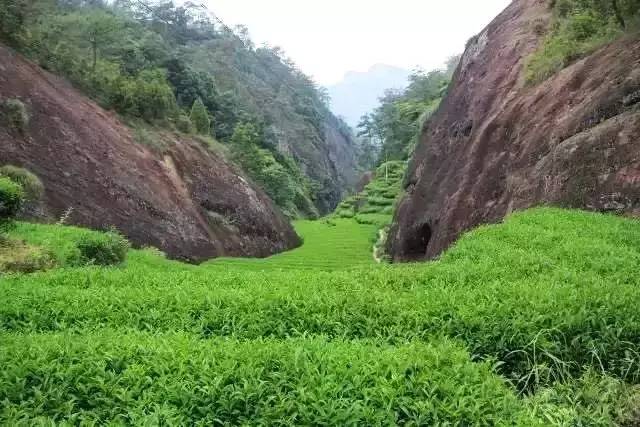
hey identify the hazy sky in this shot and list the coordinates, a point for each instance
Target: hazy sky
(327, 38)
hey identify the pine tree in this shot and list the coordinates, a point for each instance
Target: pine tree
(200, 117)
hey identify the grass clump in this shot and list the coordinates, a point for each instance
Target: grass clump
(145, 135)
(15, 114)
(184, 124)
(578, 28)
(19, 257)
(593, 400)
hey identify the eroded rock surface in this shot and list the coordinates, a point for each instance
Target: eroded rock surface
(497, 144)
(189, 201)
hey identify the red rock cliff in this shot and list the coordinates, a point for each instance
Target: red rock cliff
(497, 145)
(189, 202)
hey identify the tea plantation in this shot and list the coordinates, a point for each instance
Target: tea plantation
(532, 322)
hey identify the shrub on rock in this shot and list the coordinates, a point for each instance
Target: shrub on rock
(15, 114)
(31, 184)
(184, 124)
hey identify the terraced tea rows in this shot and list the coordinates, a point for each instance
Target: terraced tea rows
(375, 204)
(331, 244)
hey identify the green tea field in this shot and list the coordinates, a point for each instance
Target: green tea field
(532, 322)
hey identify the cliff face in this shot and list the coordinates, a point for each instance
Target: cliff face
(189, 201)
(341, 164)
(497, 145)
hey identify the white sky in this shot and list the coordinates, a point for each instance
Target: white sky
(327, 38)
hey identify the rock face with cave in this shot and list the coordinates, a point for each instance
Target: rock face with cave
(497, 144)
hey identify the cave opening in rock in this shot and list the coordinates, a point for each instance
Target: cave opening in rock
(417, 245)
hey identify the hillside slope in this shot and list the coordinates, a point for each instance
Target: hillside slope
(498, 144)
(188, 202)
(177, 66)
(298, 124)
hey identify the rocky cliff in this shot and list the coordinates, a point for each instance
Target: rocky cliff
(189, 201)
(498, 144)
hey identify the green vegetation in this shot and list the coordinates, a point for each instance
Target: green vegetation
(184, 124)
(200, 117)
(102, 249)
(376, 203)
(179, 67)
(15, 114)
(11, 199)
(392, 130)
(17, 256)
(281, 179)
(261, 382)
(146, 96)
(530, 322)
(72, 246)
(31, 185)
(330, 244)
(592, 400)
(147, 135)
(578, 28)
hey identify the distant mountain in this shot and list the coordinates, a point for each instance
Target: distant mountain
(358, 92)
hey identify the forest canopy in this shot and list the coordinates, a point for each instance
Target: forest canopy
(391, 131)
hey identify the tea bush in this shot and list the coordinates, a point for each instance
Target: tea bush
(174, 379)
(374, 205)
(531, 321)
(102, 248)
(345, 245)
